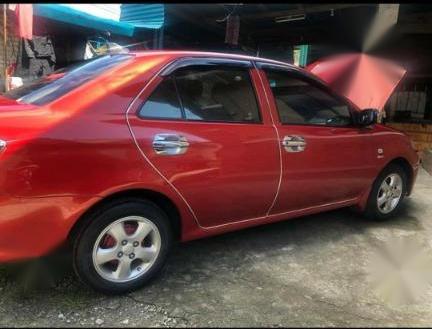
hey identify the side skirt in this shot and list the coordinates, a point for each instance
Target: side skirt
(228, 227)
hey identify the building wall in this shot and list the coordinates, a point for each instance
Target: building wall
(421, 134)
(12, 43)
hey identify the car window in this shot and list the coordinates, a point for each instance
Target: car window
(300, 101)
(212, 93)
(163, 103)
(60, 82)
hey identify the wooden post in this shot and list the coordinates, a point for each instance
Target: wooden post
(5, 45)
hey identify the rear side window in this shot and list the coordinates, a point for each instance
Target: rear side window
(49, 88)
(300, 101)
(163, 103)
(205, 93)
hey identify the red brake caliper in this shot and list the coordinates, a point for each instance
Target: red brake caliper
(108, 241)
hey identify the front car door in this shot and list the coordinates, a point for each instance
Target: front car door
(227, 163)
(327, 160)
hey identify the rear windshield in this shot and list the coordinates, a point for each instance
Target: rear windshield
(49, 88)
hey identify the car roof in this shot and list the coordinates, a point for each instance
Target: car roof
(176, 54)
(183, 53)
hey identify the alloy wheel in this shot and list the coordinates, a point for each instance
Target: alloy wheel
(390, 193)
(126, 249)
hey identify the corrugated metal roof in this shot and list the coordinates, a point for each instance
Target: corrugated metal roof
(72, 16)
(149, 16)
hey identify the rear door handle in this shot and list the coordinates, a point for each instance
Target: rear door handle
(170, 144)
(294, 143)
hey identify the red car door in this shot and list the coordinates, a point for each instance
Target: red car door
(326, 158)
(203, 129)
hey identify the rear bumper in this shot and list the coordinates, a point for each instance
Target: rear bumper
(32, 227)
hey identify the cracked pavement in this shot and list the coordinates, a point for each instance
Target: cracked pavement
(310, 271)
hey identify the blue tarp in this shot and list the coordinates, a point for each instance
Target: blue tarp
(68, 15)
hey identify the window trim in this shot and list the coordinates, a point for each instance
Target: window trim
(210, 61)
(170, 70)
(309, 78)
(143, 117)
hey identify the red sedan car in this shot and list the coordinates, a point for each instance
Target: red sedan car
(123, 155)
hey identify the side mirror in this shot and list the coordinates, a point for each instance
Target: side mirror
(367, 117)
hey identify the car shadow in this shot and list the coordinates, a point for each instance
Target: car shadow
(200, 260)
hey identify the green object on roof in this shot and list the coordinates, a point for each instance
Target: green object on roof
(69, 15)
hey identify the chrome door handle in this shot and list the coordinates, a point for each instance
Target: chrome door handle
(294, 143)
(170, 144)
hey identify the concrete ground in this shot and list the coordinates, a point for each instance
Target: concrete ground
(427, 160)
(311, 271)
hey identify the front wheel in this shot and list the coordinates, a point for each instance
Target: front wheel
(124, 246)
(388, 191)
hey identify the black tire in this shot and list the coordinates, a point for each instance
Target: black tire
(101, 219)
(372, 211)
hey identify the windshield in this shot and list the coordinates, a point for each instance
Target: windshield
(60, 82)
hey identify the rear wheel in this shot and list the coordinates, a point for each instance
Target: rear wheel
(388, 191)
(124, 246)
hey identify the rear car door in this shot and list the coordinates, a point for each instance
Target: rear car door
(202, 127)
(326, 159)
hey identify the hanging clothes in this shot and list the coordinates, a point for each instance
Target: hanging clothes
(232, 30)
(24, 15)
(40, 52)
(40, 46)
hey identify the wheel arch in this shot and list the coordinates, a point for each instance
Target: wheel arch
(161, 200)
(406, 166)
(401, 162)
